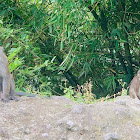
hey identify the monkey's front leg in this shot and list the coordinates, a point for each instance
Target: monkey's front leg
(6, 89)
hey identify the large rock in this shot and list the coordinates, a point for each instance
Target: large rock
(59, 118)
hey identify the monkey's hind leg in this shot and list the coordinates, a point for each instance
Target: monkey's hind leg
(12, 89)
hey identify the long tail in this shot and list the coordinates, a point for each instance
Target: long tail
(20, 93)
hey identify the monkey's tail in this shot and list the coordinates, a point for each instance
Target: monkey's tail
(20, 93)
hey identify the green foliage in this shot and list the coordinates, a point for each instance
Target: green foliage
(69, 92)
(55, 45)
(82, 94)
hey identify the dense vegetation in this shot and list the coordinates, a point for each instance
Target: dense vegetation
(74, 47)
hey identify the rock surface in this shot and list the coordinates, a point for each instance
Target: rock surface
(59, 118)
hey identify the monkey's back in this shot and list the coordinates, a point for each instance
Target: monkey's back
(134, 89)
(3, 62)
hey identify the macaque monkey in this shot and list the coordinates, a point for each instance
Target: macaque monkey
(134, 90)
(6, 90)
(7, 83)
